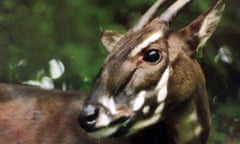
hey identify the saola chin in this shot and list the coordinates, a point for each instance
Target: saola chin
(151, 76)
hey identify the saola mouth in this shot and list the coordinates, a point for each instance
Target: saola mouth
(126, 126)
(115, 129)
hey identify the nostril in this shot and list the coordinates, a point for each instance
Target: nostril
(88, 116)
(91, 114)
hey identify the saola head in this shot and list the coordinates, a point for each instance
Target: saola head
(134, 87)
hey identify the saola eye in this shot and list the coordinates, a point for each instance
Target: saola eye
(151, 56)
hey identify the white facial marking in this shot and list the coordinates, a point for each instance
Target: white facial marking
(104, 132)
(103, 120)
(146, 109)
(159, 109)
(162, 85)
(139, 101)
(144, 123)
(152, 38)
(109, 103)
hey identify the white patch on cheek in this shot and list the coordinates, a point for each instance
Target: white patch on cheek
(162, 86)
(159, 109)
(103, 120)
(152, 38)
(139, 101)
(146, 109)
(109, 103)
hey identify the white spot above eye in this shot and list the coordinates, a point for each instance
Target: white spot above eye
(152, 38)
(162, 86)
(139, 101)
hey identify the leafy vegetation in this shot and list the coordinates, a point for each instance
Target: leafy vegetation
(56, 44)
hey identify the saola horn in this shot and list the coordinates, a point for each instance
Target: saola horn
(167, 16)
(172, 11)
(148, 15)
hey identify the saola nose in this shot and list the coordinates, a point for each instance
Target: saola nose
(88, 116)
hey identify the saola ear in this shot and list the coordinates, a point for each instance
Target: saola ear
(109, 39)
(201, 29)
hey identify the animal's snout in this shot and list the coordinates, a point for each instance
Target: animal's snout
(88, 117)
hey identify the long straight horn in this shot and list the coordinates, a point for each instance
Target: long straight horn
(172, 11)
(148, 15)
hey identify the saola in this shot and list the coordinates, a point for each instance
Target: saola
(151, 76)
(150, 89)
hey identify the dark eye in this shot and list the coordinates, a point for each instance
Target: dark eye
(151, 55)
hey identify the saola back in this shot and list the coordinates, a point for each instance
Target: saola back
(29, 115)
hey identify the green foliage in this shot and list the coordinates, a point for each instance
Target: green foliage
(33, 33)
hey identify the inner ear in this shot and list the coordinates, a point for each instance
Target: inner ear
(201, 29)
(109, 39)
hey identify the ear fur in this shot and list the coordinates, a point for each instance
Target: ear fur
(109, 39)
(210, 22)
(201, 29)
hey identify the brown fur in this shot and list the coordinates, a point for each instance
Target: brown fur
(29, 115)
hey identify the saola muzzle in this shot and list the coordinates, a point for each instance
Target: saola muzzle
(144, 109)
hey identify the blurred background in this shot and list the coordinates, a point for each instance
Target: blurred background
(56, 44)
